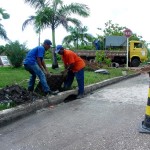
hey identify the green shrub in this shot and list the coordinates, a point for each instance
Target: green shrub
(16, 53)
(102, 58)
(49, 55)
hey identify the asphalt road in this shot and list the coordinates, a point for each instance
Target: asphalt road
(108, 119)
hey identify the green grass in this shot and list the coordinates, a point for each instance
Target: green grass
(6, 105)
(91, 77)
(10, 76)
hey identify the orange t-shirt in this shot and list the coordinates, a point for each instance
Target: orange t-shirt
(70, 57)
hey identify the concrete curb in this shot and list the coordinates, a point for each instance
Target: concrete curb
(9, 115)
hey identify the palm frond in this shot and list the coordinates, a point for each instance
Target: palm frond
(30, 20)
(3, 33)
(76, 8)
(37, 4)
(4, 15)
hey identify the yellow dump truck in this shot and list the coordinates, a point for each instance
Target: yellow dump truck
(137, 53)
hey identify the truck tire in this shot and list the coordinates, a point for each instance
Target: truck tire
(135, 62)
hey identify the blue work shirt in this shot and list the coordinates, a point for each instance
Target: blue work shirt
(31, 57)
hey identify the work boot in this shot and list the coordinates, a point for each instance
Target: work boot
(51, 93)
(46, 94)
(54, 92)
(80, 96)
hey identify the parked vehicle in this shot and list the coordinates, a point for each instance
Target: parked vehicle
(116, 50)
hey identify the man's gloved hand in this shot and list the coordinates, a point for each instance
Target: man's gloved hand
(64, 73)
(47, 74)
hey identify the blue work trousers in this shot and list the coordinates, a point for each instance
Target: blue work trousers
(80, 80)
(35, 70)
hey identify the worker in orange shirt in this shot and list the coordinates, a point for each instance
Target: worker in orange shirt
(74, 66)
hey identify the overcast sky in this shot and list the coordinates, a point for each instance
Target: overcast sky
(133, 14)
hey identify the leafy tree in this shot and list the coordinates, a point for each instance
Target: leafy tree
(78, 36)
(2, 49)
(54, 13)
(113, 29)
(16, 53)
(116, 30)
(3, 15)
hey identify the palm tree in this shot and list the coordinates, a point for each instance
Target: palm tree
(53, 14)
(78, 36)
(3, 33)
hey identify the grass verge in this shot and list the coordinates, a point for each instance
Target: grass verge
(10, 76)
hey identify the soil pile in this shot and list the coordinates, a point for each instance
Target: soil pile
(92, 66)
(17, 94)
(20, 95)
(54, 81)
(143, 69)
(146, 68)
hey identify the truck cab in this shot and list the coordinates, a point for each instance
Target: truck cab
(137, 53)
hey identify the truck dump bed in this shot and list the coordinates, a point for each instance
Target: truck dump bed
(92, 53)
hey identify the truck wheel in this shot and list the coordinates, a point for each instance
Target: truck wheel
(135, 62)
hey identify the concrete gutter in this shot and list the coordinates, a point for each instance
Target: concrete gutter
(9, 115)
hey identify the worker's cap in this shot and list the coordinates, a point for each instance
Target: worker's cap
(58, 48)
(48, 42)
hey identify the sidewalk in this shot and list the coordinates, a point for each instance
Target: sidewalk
(9, 115)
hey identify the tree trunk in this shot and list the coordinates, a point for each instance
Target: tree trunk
(55, 63)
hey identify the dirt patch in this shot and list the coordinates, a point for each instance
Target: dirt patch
(142, 69)
(146, 68)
